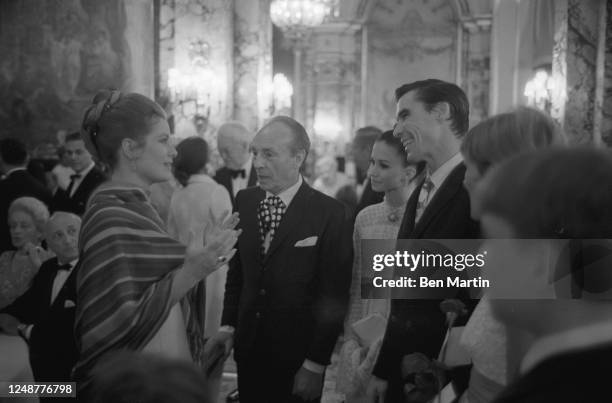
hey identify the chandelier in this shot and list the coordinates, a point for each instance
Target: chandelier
(296, 17)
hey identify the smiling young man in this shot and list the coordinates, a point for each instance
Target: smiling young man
(432, 118)
(85, 180)
(288, 284)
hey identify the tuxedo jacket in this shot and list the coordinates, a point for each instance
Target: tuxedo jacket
(62, 201)
(419, 325)
(17, 184)
(224, 177)
(289, 305)
(53, 350)
(576, 376)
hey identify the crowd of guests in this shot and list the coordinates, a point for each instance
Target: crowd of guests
(138, 280)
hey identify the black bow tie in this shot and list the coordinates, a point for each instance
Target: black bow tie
(65, 267)
(236, 172)
(75, 176)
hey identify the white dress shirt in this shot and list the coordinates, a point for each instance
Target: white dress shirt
(79, 180)
(62, 174)
(239, 183)
(439, 175)
(60, 279)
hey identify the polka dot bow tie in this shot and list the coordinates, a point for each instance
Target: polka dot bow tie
(269, 213)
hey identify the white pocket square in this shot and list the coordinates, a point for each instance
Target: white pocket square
(69, 304)
(310, 241)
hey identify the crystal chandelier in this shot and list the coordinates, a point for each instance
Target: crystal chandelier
(296, 17)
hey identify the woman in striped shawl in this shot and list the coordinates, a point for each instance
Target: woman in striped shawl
(137, 288)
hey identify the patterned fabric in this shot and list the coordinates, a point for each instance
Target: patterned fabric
(426, 191)
(485, 338)
(124, 277)
(377, 221)
(269, 213)
(16, 274)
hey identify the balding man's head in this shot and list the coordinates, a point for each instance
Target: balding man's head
(233, 139)
(62, 235)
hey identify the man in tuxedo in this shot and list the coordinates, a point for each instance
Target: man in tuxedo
(17, 182)
(288, 284)
(233, 140)
(86, 178)
(361, 149)
(44, 315)
(432, 118)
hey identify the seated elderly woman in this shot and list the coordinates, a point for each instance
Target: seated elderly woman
(26, 218)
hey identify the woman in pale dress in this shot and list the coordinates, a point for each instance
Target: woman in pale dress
(489, 143)
(27, 217)
(200, 203)
(137, 287)
(390, 173)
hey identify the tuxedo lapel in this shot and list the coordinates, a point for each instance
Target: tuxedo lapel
(252, 177)
(250, 225)
(67, 292)
(442, 197)
(291, 218)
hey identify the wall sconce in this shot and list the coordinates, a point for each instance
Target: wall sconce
(540, 89)
(327, 125)
(192, 86)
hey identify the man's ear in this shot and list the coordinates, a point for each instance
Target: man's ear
(441, 111)
(300, 156)
(410, 172)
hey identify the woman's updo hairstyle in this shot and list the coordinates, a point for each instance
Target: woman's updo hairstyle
(114, 116)
(394, 142)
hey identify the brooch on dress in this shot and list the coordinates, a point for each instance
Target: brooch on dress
(393, 216)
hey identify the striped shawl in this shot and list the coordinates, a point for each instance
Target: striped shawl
(124, 277)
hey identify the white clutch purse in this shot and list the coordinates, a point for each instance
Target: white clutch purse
(370, 329)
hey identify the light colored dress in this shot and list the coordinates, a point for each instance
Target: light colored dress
(485, 338)
(16, 274)
(193, 208)
(378, 221)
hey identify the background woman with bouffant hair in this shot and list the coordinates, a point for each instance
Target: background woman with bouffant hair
(487, 144)
(136, 285)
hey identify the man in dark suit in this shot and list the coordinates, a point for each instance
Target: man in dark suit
(86, 179)
(233, 140)
(44, 315)
(17, 182)
(432, 118)
(288, 284)
(361, 149)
